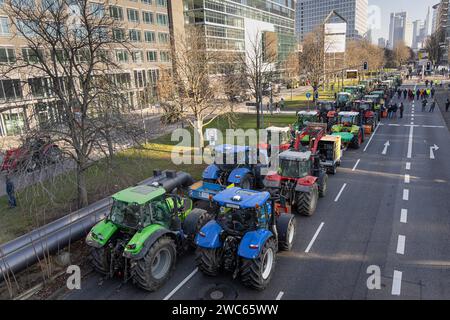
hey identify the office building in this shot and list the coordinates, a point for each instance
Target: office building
(382, 43)
(311, 14)
(231, 25)
(147, 23)
(400, 29)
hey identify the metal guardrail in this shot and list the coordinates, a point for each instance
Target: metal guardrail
(25, 251)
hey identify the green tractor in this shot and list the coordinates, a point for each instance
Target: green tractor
(349, 129)
(145, 229)
(305, 117)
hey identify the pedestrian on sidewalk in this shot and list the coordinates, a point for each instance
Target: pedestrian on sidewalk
(10, 191)
(433, 105)
(402, 109)
(282, 104)
(277, 107)
(447, 105)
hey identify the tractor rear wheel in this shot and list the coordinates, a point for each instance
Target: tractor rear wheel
(100, 259)
(306, 202)
(323, 186)
(357, 141)
(257, 273)
(156, 267)
(194, 222)
(286, 228)
(209, 261)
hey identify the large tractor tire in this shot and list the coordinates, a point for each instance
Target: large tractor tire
(247, 182)
(357, 141)
(209, 261)
(258, 272)
(286, 228)
(100, 259)
(157, 266)
(323, 186)
(306, 202)
(194, 222)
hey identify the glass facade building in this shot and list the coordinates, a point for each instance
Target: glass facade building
(312, 13)
(225, 22)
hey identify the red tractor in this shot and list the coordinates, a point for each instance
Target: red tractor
(301, 178)
(33, 154)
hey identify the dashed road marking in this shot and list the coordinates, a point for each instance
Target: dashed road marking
(182, 283)
(308, 249)
(410, 142)
(397, 283)
(404, 216)
(401, 244)
(340, 192)
(407, 178)
(280, 296)
(356, 165)
(406, 194)
(408, 166)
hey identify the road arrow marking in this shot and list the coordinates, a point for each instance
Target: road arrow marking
(432, 150)
(386, 146)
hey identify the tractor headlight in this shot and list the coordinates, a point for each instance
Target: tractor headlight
(131, 246)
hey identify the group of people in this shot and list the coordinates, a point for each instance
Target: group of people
(278, 106)
(393, 110)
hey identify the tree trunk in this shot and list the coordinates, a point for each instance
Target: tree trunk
(81, 187)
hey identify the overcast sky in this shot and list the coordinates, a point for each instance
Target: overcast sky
(417, 10)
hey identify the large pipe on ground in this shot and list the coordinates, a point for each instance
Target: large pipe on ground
(23, 252)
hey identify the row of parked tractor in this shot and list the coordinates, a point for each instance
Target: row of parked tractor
(238, 216)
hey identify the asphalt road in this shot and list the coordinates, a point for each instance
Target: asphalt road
(389, 211)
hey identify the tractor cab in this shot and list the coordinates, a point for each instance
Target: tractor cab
(227, 157)
(305, 117)
(295, 165)
(349, 119)
(327, 110)
(349, 129)
(343, 100)
(281, 136)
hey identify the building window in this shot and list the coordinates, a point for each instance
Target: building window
(152, 56)
(118, 34)
(10, 89)
(162, 19)
(149, 36)
(122, 55)
(116, 12)
(163, 37)
(133, 15)
(164, 56)
(146, 1)
(14, 123)
(147, 17)
(137, 57)
(134, 35)
(32, 56)
(7, 55)
(4, 26)
(97, 10)
(162, 3)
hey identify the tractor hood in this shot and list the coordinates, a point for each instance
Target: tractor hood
(101, 233)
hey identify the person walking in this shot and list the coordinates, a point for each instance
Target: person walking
(282, 104)
(10, 191)
(277, 107)
(427, 82)
(424, 104)
(433, 105)
(432, 93)
(405, 94)
(395, 111)
(418, 94)
(447, 105)
(402, 109)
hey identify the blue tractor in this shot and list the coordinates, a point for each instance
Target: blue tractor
(233, 165)
(244, 237)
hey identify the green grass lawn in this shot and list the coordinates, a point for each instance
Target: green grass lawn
(44, 202)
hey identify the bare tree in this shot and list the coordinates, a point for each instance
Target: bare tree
(433, 46)
(401, 53)
(193, 92)
(312, 57)
(360, 51)
(70, 43)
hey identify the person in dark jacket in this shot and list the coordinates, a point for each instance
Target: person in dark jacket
(10, 191)
(447, 105)
(402, 109)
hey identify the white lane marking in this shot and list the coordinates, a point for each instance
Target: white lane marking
(397, 283)
(373, 135)
(407, 178)
(412, 122)
(314, 238)
(410, 142)
(432, 150)
(393, 125)
(280, 295)
(404, 216)
(406, 194)
(439, 127)
(401, 244)
(386, 146)
(182, 283)
(340, 192)
(356, 165)
(408, 166)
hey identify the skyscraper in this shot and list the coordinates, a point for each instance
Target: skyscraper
(400, 29)
(311, 13)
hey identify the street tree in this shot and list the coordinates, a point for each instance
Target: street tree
(433, 46)
(69, 43)
(312, 57)
(401, 53)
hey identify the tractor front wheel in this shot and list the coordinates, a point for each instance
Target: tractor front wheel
(286, 228)
(156, 267)
(100, 259)
(323, 186)
(208, 261)
(257, 273)
(306, 202)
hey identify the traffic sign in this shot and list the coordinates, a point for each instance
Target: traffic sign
(308, 95)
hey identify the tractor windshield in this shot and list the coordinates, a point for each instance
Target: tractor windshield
(228, 161)
(294, 169)
(238, 220)
(127, 215)
(347, 120)
(343, 98)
